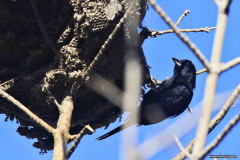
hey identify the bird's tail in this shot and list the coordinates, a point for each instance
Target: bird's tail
(112, 132)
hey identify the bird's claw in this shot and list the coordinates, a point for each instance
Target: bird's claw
(190, 109)
(153, 83)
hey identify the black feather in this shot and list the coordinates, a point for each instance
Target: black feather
(169, 100)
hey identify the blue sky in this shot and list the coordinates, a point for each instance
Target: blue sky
(159, 52)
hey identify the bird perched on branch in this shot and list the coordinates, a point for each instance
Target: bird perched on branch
(169, 100)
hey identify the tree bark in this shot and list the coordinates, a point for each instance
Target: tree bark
(63, 126)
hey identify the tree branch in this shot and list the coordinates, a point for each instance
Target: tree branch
(214, 122)
(6, 85)
(201, 71)
(181, 146)
(155, 33)
(63, 125)
(217, 2)
(76, 141)
(184, 38)
(145, 33)
(230, 64)
(221, 136)
(132, 92)
(210, 89)
(34, 117)
(185, 13)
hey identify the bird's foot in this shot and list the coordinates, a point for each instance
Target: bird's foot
(153, 83)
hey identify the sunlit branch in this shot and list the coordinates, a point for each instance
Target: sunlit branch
(184, 38)
(221, 136)
(154, 33)
(34, 117)
(230, 64)
(185, 13)
(214, 122)
(77, 140)
(181, 146)
(212, 79)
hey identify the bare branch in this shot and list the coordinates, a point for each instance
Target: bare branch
(76, 141)
(181, 146)
(184, 38)
(6, 85)
(154, 33)
(182, 16)
(61, 134)
(201, 71)
(145, 33)
(205, 70)
(43, 29)
(222, 113)
(214, 122)
(133, 81)
(221, 136)
(212, 79)
(56, 102)
(217, 2)
(34, 117)
(230, 64)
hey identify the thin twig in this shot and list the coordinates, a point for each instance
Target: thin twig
(214, 122)
(182, 16)
(217, 2)
(154, 33)
(184, 38)
(201, 71)
(76, 141)
(221, 136)
(145, 33)
(6, 85)
(230, 64)
(212, 79)
(56, 103)
(222, 113)
(43, 29)
(181, 146)
(33, 116)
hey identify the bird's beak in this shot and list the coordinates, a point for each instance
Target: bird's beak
(176, 61)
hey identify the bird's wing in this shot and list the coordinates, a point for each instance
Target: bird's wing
(157, 106)
(176, 100)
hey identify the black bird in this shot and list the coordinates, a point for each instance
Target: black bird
(169, 100)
